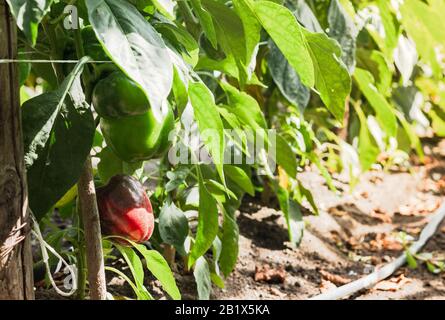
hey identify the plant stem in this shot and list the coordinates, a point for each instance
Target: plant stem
(169, 254)
(93, 239)
(88, 208)
(189, 18)
(81, 268)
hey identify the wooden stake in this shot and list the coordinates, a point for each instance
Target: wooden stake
(16, 273)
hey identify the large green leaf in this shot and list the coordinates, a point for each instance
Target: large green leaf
(304, 15)
(230, 34)
(414, 139)
(375, 62)
(157, 265)
(292, 214)
(367, 148)
(206, 22)
(332, 79)
(178, 37)
(135, 46)
(252, 28)
(203, 279)
(137, 270)
(207, 224)
(58, 132)
(240, 177)
(209, 123)
(28, 15)
(343, 29)
(230, 236)
(285, 157)
(173, 227)
(245, 107)
(384, 111)
(391, 30)
(287, 79)
(288, 35)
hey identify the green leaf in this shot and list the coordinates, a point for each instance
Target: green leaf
(425, 26)
(230, 34)
(180, 92)
(217, 280)
(110, 165)
(292, 214)
(137, 270)
(287, 79)
(288, 35)
(229, 242)
(173, 227)
(252, 29)
(244, 106)
(285, 156)
(135, 46)
(332, 78)
(343, 29)
(240, 177)
(159, 268)
(305, 15)
(166, 7)
(209, 123)
(218, 191)
(203, 279)
(180, 39)
(58, 133)
(136, 290)
(206, 22)
(207, 224)
(391, 30)
(375, 62)
(28, 15)
(414, 139)
(384, 111)
(438, 121)
(302, 193)
(410, 260)
(368, 151)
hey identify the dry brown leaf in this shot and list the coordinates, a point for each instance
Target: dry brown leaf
(413, 230)
(270, 275)
(419, 207)
(392, 284)
(365, 194)
(381, 215)
(334, 278)
(441, 185)
(336, 211)
(406, 211)
(384, 241)
(375, 179)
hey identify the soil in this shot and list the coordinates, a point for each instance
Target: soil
(355, 232)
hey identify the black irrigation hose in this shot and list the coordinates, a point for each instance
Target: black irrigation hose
(387, 270)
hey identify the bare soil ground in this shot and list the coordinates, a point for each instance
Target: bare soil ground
(356, 232)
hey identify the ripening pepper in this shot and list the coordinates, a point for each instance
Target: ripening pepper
(127, 121)
(125, 209)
